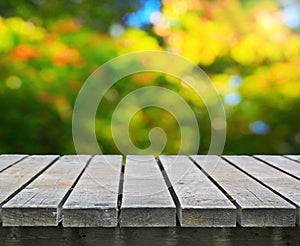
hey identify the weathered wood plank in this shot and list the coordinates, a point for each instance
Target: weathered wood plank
(146, 199)
(94, 200)
(278, 181)
(38, 204)
(199, 202)
(252, 198)
(8, 160)
(282, 163)
(18, 175)
(294, 157)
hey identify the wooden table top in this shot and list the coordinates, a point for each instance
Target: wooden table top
(143, 191)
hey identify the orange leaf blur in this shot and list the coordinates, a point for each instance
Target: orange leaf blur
(24, 52)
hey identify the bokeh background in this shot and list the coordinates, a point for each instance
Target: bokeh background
(250, 49)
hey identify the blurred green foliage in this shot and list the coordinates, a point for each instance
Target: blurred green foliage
(49, 48)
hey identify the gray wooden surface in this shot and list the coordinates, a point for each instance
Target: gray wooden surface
(199, 202)
(94, 200)
(13, 179)
(276, 180)
(294, 157)
(8, 160)
(146, 199)
(257, 205)
(38, 204)
(81, 191)
(289, 166)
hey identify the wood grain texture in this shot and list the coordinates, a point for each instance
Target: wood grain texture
(146, 199)
(282, 163)
(257, 205)
(38, 190)
(8, 160)
(199, 202)
(38, 204)
(94, 200)
(276, 180)
(18, 175)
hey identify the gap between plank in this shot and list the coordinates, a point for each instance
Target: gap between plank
(28, 182)
(60, 205)
(120, 191)
(259, 181)
(170, 188)
(16, 162)
(218, 186)
(290, 159)
(279, 169)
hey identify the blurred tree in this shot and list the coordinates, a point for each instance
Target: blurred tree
(94, 13)
(249, 49)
